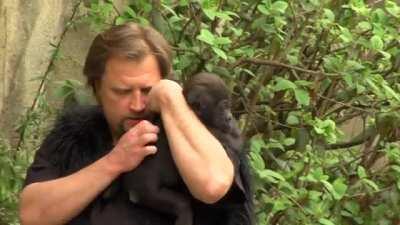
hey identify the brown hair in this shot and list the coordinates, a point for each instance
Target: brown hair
(130, 40)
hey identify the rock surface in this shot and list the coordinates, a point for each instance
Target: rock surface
(29, 32)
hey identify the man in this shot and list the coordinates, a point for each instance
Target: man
(88, 149)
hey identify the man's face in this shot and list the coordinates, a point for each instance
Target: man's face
(122, 91)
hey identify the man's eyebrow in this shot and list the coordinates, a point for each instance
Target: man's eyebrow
(121, 88)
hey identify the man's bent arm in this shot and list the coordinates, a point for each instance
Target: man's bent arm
(58, 201)
(200, 157)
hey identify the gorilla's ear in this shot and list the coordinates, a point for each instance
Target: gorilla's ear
(197, 98)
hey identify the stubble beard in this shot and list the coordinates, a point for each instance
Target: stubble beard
(121, 129)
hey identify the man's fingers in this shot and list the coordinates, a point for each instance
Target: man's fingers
(150, 149)
(145, 126)
(147, 138)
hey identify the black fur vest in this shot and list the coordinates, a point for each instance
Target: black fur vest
(80, 136)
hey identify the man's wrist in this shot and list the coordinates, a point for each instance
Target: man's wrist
(170, 94)
(110, 166)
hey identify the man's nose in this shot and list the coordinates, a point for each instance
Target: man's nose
(137, 102)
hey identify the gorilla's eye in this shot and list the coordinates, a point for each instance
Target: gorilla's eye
(225, 104)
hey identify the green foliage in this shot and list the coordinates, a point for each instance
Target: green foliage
(299, 71)
(13, 168)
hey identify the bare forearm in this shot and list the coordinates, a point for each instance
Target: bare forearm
(200, 158)
(58, 201)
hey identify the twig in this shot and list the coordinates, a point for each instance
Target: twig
(359, 139)
(279, 64)
(184, 29)
(345, 104)
(46, 74)
(115, 8)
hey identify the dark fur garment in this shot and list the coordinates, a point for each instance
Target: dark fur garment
(80, 136)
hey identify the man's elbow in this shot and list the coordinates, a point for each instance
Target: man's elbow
(218, 187)
(27, 218)
(28, 215)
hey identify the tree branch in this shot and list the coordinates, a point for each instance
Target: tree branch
(359, 139)
(42, 84)
(282, 65)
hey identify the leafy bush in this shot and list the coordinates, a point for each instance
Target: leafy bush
(13, 167)
(299, 71)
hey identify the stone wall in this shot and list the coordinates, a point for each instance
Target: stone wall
(28, 29)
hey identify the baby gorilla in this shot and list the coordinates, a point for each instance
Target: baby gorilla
(156, 182)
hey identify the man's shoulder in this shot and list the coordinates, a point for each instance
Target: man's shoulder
(81, 116)
(79, 124)
(79, 135)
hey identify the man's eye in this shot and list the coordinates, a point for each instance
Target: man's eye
(146, 90)
(122, 91)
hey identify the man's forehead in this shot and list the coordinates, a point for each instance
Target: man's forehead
(126, 70)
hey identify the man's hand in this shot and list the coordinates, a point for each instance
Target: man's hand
(160, 92)
(134, 146)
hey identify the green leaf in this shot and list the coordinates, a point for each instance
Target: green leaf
(386, 55)
(333, 63)
(220, 53)
(390, 92)
(222, 41)
(210, 13)
(346, 35)
(303, 83)
(130, 12)
(372, 84)
(348, 78)
(361, 172)
(340, 188)
(120, 20)
(256, 144)
(302, 96)
(398, 185)
(289, 141)
(319, 175)
(360, 88)
(292, 120)
(329, 187)
(183, 2)
(257, 161)
(271, 174)
(371, 184)
(396, 168)
(329, 15)
(325, 221)
(279, 205)
(354, 65)
(275, 145)
(376, 42)
(314, 195)
(353, 207)
(206, 36)
(284, 84)
(364, 26)
(279, 6)
(263, 9)
(392, 8)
